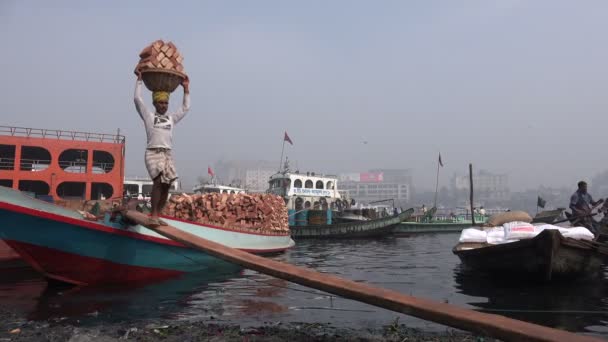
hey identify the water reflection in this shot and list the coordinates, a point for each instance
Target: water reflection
(421, 266)
(575, 305)
(25, 291)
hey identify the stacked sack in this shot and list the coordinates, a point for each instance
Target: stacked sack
(515, 226)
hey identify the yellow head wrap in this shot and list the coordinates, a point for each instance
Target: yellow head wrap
(160, 96)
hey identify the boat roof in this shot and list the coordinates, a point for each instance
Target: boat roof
(307, 175)
(215, 186)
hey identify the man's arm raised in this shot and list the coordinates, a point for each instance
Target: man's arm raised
(139, 101)
(180, 113)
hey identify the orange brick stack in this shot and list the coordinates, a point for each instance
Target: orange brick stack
(161, 55)
(257, 212)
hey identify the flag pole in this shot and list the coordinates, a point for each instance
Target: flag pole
(282, 149)
(436, 185)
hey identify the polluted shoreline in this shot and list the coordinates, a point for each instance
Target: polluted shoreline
(13, 327)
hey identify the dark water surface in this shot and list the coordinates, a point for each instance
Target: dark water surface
(421, 265)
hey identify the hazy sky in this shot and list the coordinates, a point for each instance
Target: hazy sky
(515, 87)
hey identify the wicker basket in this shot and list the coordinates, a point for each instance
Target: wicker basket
(162, 79)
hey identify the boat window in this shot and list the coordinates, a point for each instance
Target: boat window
(103, 162)
(316, 205)
(71, 190)
(6, 182)
(307, 204)
(34, 158)
(131, 189)
(7, 157)
(299, 202)
(319, 185)
(146, 189)
(330, 185)
(308, 184)
(297, 183)
(100, 191)
(36, 187)
(74, 160)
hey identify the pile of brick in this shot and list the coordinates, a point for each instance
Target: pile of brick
(161, 55)
(256, 212)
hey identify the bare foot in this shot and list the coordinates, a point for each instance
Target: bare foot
(155, 222)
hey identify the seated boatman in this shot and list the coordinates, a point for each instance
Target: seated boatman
(581, 204)
(159, 131)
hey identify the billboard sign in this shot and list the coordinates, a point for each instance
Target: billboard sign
(371, 177)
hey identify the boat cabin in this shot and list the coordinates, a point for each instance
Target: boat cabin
(306, 191)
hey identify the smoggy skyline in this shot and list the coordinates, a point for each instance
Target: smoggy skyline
(514, 87)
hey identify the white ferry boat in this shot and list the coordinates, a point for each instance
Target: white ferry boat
(141, 187)
(307, 191)
(214, 188)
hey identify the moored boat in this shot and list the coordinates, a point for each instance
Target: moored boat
(356, 229)
(433, 223)
(410, 227)
(63, 246)
(543, 257)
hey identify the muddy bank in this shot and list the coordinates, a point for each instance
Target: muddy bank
(15, 328)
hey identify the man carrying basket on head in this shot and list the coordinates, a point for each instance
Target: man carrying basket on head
(159, 131)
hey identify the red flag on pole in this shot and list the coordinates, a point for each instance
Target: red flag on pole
(210, 172)
(286, 138)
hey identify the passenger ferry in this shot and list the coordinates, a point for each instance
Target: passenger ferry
(57, 164)
(307, 191)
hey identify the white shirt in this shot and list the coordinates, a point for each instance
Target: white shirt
(159, 128)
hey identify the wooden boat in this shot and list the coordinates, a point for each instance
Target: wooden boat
(356, 229)
(436, 225)
(544, 257)
(409, 227)
(548, 216)
(8, 257)
(63, 246)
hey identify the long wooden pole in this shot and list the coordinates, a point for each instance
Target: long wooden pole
(487, 324)
(471, 193)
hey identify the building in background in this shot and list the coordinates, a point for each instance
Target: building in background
(256, 179)
(489, 188)
(378, 184)
(253, 175)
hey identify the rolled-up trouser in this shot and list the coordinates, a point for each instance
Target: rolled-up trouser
(159, 161)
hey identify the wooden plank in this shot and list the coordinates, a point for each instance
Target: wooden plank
(488, 324)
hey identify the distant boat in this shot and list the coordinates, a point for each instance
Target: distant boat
(432, 223)
(356, 229)
(215, 188)
(544, 257)
(548, 216)
(61, 245)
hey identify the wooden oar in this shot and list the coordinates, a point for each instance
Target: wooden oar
(482, 323)
(574, 218)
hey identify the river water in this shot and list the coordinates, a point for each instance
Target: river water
(420, 265)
